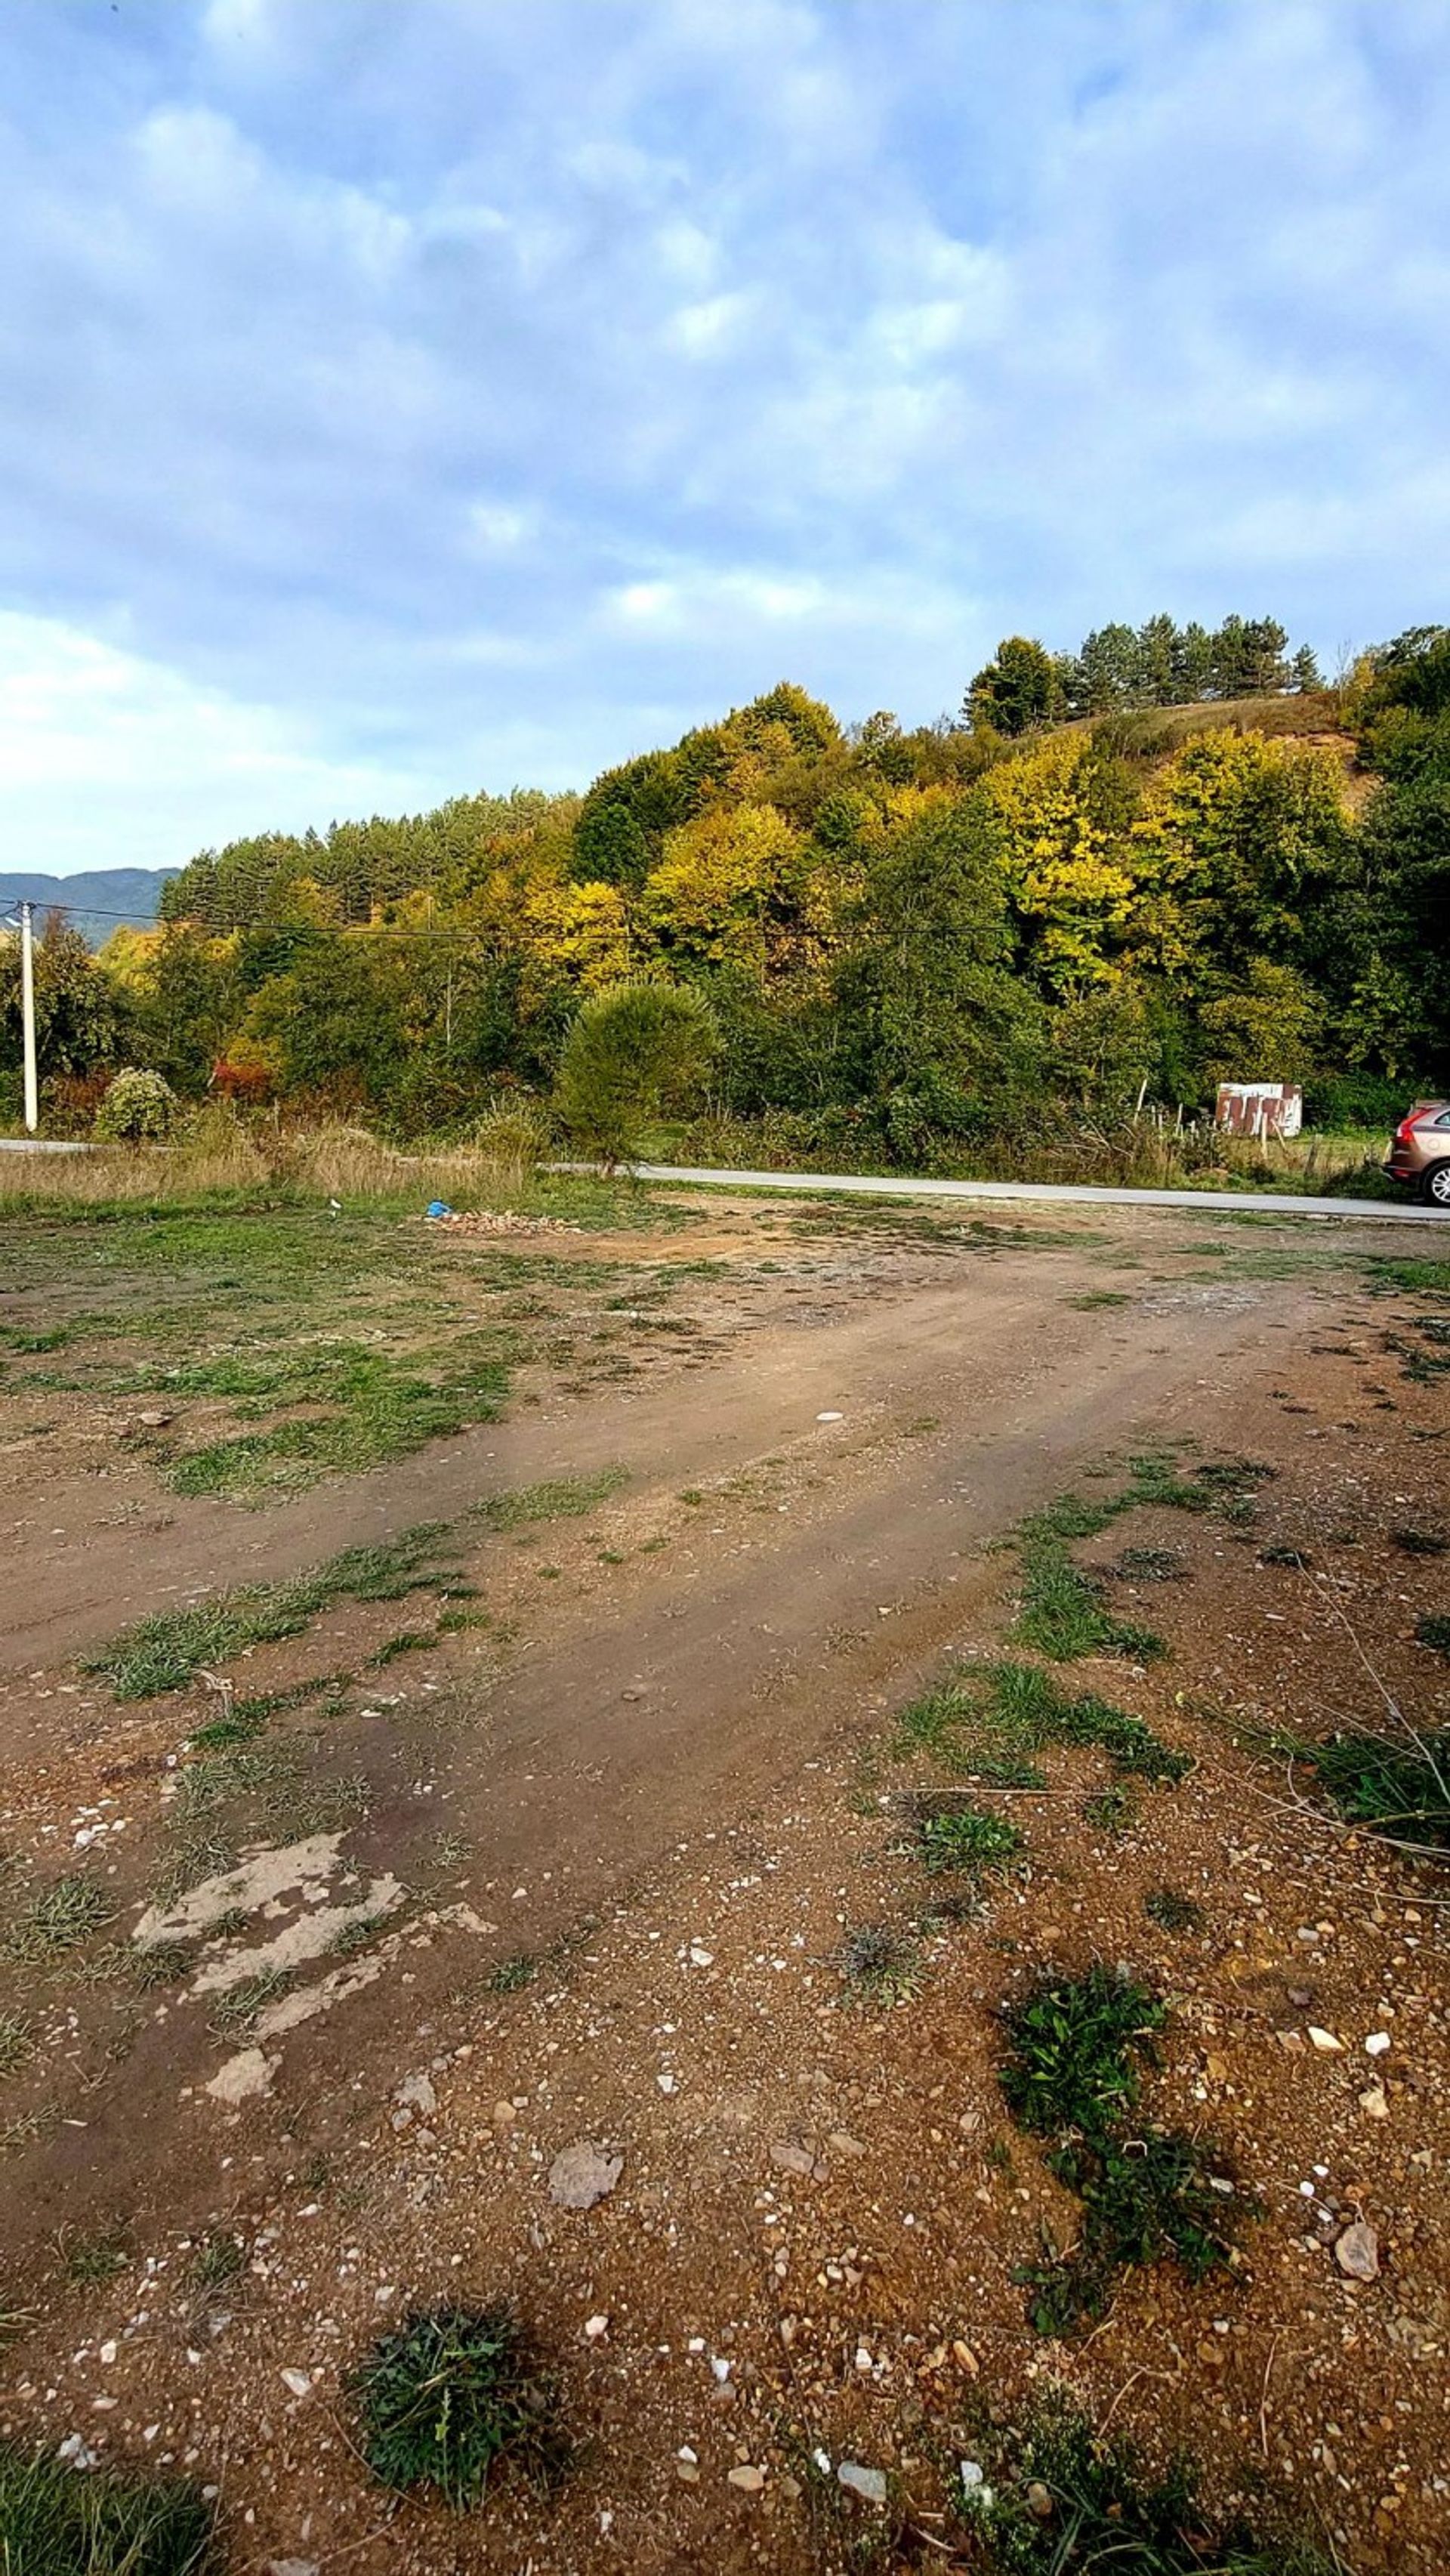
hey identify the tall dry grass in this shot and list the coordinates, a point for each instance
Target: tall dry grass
(222, 1155)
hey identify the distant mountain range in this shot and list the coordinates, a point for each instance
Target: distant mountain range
(96, 901)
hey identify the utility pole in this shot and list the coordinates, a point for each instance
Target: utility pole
(27, 1013)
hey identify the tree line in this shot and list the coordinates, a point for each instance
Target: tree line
(906, 941)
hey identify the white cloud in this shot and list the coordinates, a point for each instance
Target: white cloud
(485, 383)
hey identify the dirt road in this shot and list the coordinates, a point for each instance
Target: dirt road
(541, 1841)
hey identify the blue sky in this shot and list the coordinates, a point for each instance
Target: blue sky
(401, 397)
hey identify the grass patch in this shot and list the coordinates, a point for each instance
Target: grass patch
(991, 1726)
(17, 2044)
(370, 1405)
(1108, 2512)
(1398, 1786)
(239, 2005)
(1063, 1612)
(408, 1641)
(1113, 1810)
(217, 2263)
(450, 2392)
(558, 1498)
(881, 1966)
(964, 1839)
(91, 2260)
(1100, 1297)
(166, 1651)
(59, 1918)
(1151, 1565)
(250, 1717)
(60, 2521)
(1434, 1631)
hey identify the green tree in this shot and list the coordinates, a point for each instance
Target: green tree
(634, 1053)
(1023, 687)
(80, 1020)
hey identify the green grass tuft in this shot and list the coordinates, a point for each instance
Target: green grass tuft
(58, 1918)
(59, 2521)
(446, 2395)
(512, 1975)
(964, 1838)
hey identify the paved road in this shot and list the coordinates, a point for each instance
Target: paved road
(869, 1185)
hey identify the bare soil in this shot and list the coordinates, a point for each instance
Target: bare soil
(597, 1854)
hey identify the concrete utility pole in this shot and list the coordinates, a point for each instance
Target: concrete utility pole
(27, 1013)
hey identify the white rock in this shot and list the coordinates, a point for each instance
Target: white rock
(667, 2083)
(700, 1957)
(830, 1417)
(594, 2327)
(748, 2479)
(1325, 2040)
(1376, 2044)
(417, 2093)
(870, 2483)
(244, 2076)
(1374, 2104)
(1357, 2252)
(299, 2382)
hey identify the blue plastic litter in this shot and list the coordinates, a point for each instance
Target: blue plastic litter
(439, 1207)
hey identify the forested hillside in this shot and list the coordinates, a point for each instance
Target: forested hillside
(1078, 893)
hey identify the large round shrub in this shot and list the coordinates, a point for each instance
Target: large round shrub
(138, 1108)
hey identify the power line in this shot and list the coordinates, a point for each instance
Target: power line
(259, 921)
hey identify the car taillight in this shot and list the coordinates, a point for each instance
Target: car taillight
(1406, 1128)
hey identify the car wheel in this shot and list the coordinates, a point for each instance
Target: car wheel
(1435, 1186)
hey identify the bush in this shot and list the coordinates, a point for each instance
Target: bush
(447, 2393)
(138, 1108)
(633, 1053)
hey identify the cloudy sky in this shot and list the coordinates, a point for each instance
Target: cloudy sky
(400, 397)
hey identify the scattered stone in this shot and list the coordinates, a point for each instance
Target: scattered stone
(594, 2327)
(298, 2381)
(748, 2479)
(503, 2115)
(868, 2483)
(417, 2093)
(1325, 2041)
(842, 2143)
(1376, 2044)
(965, 2358)
(792, 2160)
(1374, 2104)
(1039, 2500)
(583, 2174)
(153, 1420)
(1357, 2252)
(687, 2465)
(820, 1417)
(700, 1957)
(667, 2083)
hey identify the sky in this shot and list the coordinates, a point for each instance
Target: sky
(400, 398)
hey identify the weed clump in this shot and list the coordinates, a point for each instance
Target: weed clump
(1434, 1632)
(1078, 2045)
(1105, 2510)
(1075, 2044)
(1173, 1912)
(60, 2521)
(881, 1966)
(450, 2392)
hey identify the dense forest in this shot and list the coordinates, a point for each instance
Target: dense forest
(1170, 857)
